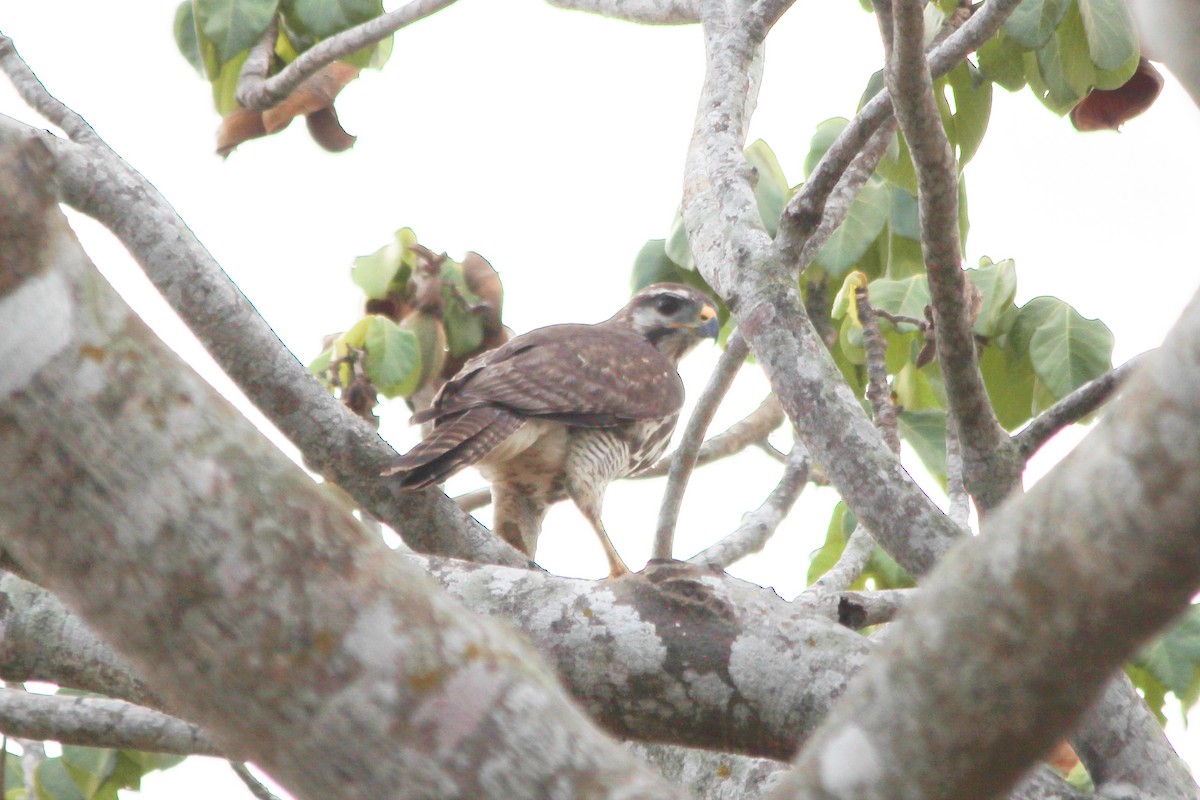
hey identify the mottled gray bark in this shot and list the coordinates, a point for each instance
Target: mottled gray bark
(248, 601)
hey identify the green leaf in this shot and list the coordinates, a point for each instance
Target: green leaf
(1033, 22)
(393, 358)
(771, 189)
(464, 328)
(1112, 38)
(841, 524)
(907, 296)
(224, 86)
(1064, 64)
(925, 433)
(853, 372)
(1002, 61)
(1173, 658)
(1066, 349)
(919, 389)
(972, 109)
(14, 776)
(319, 19)
(89, 767)
(375, 273)
(868, 214)
(652, 265)
(897, 167)
(53, 782)
(185, 36)
(1116, 78)
(319, 365)
(825, 135)
(233, 25)
(676, 246)
(1152, 689)
(884, 573)
(998, 284)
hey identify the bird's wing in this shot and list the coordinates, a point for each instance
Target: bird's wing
(587, 375)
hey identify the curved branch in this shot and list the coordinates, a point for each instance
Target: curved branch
(760, 525)
(991, 466)
(749, 431)
(1073, 407)
(343, 448)
(684, 459)
(259, 93)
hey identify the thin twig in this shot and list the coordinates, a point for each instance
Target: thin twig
(849, 567)
(722, 377)
(747, 432)
(257, 93)
(474, 499)
(258, 59)
(255, 786)
(33, 92)
(760, 525)
(33, 753)
(879, 392)
(1073, 407)
(960, 501)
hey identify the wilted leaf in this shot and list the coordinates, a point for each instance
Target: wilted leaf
(241, 125)
(314, 94)
(1109, 109)
(327, 131)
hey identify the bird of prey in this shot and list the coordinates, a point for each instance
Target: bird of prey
(564, 410)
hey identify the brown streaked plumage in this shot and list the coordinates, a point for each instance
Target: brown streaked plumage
(563, 411)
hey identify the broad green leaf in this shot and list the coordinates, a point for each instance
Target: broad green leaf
(53, 782)
(150, 762)
(925, 432)
(771, 189)
(233, 25)
(1173, 659)
(1066, 349)
(89, 767)
(998, 283)
(225, 85)
(318, 19)
(393, 358)
(904, 257)
(652, 265)
(905, 218)
(866, 218)
(464, 328)
(917, 390)
(875, 84)
(676, 246)
(902, 347)
(841, 524)
(883, 572)
(855, 374)
(320, 364)
(825, 135)
(1041, 90)
(1002, 61)
(1033, 22)
(972, 109)
(375, 273)
(897, 167)
(1152, 690)
(1111, 36)
(185, 36)
(964, 219)
(356, 337)
(850, 341)
(1116, 78)
(1064, 64)
(907, 296)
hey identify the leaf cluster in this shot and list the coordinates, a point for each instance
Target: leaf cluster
(426, 314)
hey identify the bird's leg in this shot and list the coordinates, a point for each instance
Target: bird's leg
(589, 505)
(517, 517)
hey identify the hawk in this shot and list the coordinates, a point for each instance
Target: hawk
(564, 410)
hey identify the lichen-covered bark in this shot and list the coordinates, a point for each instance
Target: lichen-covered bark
(250, 602)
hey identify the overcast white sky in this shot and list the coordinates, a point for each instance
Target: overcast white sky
(552, 142)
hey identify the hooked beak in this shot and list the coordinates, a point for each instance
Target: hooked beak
(710, 325)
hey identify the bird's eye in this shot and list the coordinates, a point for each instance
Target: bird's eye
(667, 304)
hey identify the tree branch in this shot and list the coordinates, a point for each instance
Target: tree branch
(252, 783)
(1073, 407)
(709, 775)
(342, 447)
(651, 12)
(99, 722)
(257, 92)
(879, 391)
(250, 601)
(684, 459)
(991, 466)
(849, 567)
(735, 255)
(751, 430)
(977, 638)
(760, 525)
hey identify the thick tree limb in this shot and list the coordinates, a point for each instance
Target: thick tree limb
(991, 465)
(257, 92)
(250, 602)
(342, 447)
(1017, 681)
(651, 12)
(735, 255)
(99, 722)
(1072, 408)
(684, 459)
(759, 526)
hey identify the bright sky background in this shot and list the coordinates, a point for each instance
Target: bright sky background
(552, 142)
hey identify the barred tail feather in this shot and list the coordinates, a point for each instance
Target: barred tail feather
(455, 444)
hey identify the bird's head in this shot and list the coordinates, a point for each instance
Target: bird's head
(671, 316)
